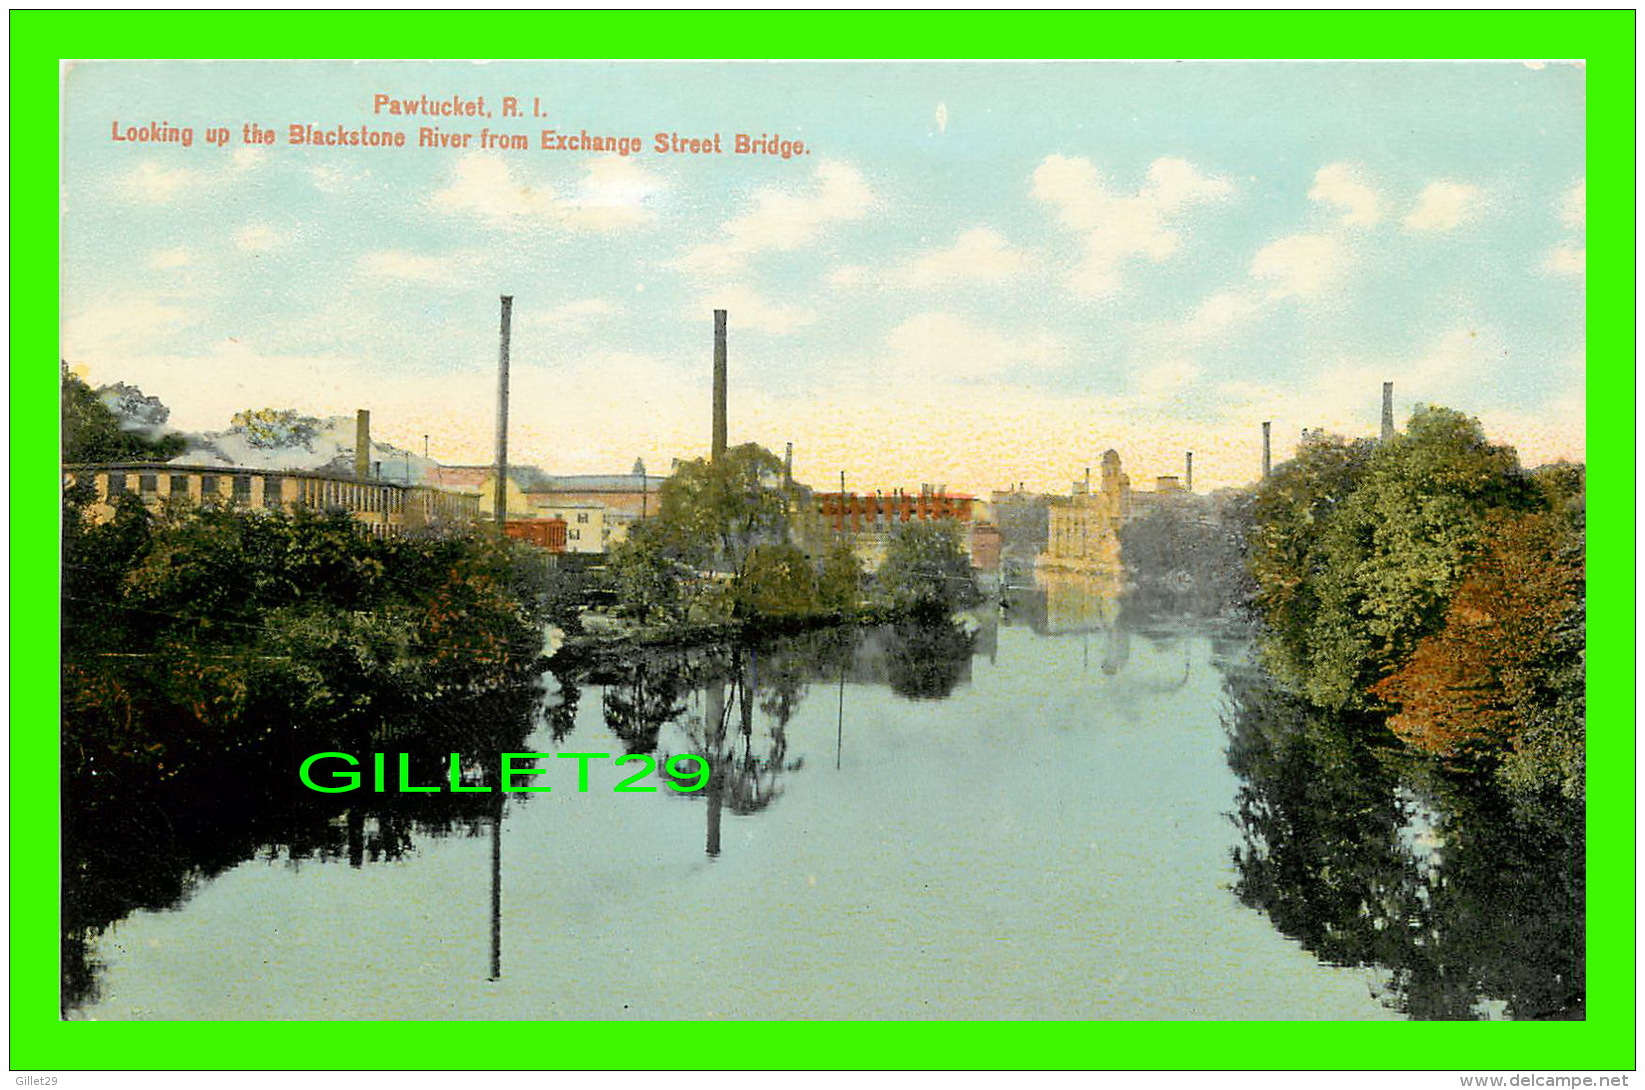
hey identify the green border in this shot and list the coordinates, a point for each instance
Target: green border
(1605, 40)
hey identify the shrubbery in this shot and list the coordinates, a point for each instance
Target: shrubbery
(1431, 576)
(199, 632)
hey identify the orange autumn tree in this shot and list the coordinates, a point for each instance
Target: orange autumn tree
(1501, 682)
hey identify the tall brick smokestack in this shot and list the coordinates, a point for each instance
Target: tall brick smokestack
(788, 464)
(1387, 411)
(1267, 456)
(1189, 483)
(362, 443)
(717, 451)
(499, 496)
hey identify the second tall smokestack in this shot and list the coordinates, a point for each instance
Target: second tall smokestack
(499, 495)
(1267, 457)
(1387, 411)
(717, 450)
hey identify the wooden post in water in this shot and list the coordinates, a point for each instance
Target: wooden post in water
(497, 888)
(714, 735)
(500, 493)
(839, 728)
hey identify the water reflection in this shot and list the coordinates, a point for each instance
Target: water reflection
(1459, 905)
(130, 847)
(1471, 905)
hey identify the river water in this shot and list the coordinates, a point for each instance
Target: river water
(1042, 814)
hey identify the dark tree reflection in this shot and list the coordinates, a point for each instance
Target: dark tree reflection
(649, 696)
(130, 845)
(927, 661)
(1472, 905)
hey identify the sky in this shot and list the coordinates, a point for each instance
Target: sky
(973, 275)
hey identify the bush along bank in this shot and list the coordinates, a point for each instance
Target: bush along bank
(196, 639)
(1432, 578)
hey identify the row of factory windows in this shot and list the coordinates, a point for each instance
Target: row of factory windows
(315, 492)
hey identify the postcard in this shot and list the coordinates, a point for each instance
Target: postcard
(918, 541)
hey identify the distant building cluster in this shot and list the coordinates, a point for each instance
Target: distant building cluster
(596, 510)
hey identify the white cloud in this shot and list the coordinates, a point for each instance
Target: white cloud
(1567, 261)
(260, 238)
(1306, 266)
(175, 258)
(1342, 394)
(1444, 206)
(746, 309)
(1339, 184)
(848, 277)
(119, 325)
(1117, 227)
(400, 265)
(1571, 257)
(1220, 313)
(938, 346)
(979, 255)
(783, 219)
(154, 184)
(614, 193)
(249, 156)
(1573, 209)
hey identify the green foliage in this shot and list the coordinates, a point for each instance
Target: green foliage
(649, 582)
(92, 432)
(926, 569)
(1394, 554)
(190, 635)
(1290, 514)
(721, 547)
(712, 514)
(1432, 573)
(777, 581)
(275, 428)
(839, 584)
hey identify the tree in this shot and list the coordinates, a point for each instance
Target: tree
(777, 581)
(93, 432)
(1396, 552)
(839, 584)
(276, 428)
(926, 570)
(711, 514)
(649, 581)
(733, 517)
(1502, 682)
(1292, 511)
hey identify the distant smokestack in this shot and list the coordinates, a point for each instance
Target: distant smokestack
(362, 443)
(500, 495)
(1189, 483)
(717, 451)
(1267, 456)
(788, 464)
(1387, 411)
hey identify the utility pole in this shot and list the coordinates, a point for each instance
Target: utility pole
(718, 440)
(500, 494)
